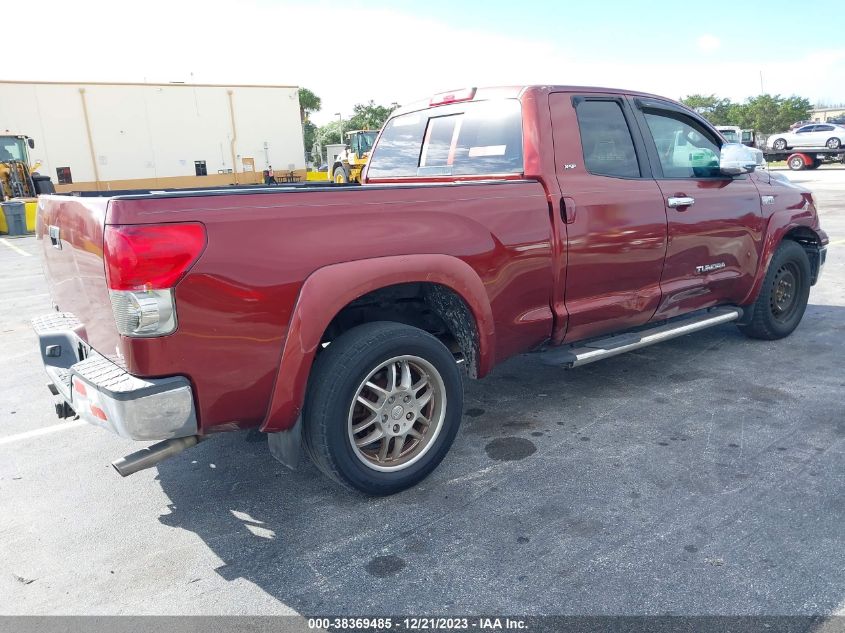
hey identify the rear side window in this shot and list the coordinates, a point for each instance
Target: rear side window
(465, 139)
(606, 140)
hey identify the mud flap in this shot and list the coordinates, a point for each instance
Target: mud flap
(286, 446)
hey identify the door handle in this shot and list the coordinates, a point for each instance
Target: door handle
(567, 210)
(680, 201)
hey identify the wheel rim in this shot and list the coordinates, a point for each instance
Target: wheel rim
(833, 143)
(784, 297)
(397, 413)
(796, 163)
(780, 144)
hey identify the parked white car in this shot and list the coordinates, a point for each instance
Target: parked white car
(815, 135)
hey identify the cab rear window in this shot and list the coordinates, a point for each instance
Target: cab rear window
(465, 139)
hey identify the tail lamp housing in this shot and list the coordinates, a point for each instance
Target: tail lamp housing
(144, 262)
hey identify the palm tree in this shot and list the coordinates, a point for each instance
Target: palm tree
(308, 103)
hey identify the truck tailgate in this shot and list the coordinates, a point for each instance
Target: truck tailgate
(71, 233)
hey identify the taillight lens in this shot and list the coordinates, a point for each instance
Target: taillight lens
(151, 256)
(143, 263)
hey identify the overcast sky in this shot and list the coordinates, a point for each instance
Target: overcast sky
(349, 52)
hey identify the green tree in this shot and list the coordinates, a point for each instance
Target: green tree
(765, 113)
(369, 116)
(308, 103)
(711, 107)
(772, 113)
(329, 133)
(309, 135)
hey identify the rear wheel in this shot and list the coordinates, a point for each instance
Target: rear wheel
(796, 163)
(779, 144)
(384, 405)
(783, 297)
(833, 143)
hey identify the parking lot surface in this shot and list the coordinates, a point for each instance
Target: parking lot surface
(699, 476)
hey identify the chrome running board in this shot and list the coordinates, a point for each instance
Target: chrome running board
(614, 345)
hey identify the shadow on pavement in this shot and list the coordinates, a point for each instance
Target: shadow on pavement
(703, 475)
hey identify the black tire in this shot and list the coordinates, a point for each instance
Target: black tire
(340, 175)
(338, 374)
(779, 144)
(779, 308)
(815, 164)
(796, 163)
(833, 143)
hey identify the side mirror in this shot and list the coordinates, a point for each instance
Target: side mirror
(736, 159)
(31, 143)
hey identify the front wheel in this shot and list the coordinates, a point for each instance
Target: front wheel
(340, 176)
(779, 144)
(783, 296)
(384, 405)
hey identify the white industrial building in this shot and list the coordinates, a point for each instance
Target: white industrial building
(98, 136)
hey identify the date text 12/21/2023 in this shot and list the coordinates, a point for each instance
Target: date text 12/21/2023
(418, 623)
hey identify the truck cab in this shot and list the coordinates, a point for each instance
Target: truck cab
(735, 134)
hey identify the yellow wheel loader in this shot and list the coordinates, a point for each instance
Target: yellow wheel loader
(18, 177)
(350, 163)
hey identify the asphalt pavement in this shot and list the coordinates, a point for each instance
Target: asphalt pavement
(700, 476)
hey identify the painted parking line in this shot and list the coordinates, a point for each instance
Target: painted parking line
(19, 251)
(47, 430)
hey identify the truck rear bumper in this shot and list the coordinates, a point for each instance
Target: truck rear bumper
(106, 395)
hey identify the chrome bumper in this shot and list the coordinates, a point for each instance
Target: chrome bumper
(106, 395)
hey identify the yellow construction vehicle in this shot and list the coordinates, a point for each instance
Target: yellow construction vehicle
(18, 177)
(349, 164)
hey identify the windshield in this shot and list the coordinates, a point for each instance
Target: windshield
(11, 148)
(730, 136)
(472, 138)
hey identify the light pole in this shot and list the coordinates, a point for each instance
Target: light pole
(340, 119)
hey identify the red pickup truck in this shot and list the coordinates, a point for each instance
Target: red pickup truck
(578, 222)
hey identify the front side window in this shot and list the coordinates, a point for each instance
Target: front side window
(606, 140)
(464, 139)
(367, 140)
(684, 147)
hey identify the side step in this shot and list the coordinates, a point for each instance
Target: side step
(621, 343)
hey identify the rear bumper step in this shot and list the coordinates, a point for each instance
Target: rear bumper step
(104, 394)
(614, 345)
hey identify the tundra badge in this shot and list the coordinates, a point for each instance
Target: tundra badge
(706, 268)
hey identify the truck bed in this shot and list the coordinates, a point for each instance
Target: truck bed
(235, 304)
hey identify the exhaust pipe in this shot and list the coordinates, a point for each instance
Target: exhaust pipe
(152, 455)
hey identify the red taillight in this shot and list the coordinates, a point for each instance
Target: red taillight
(151, 256)
(454, 96)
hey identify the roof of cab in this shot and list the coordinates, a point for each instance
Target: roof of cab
(513, 92)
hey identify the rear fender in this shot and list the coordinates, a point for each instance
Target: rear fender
(328, 290)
